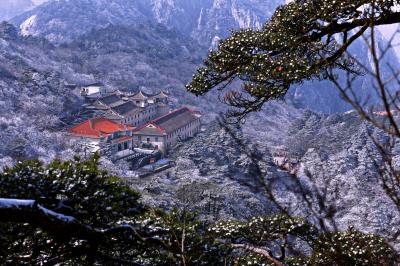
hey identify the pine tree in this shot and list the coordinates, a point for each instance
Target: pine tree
(300, 42)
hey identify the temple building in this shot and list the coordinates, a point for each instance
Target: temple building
(104, 136)
(164, 132)
(132, 109)
(132, 126)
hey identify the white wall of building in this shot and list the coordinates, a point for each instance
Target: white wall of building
(91, 90)
(151, 112)
(183, 133)
(166, 142)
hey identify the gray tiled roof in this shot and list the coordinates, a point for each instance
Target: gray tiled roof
(110, 99)
(126, 108)
(161, 95)
(175, 120)
(140, 95)
(117, 103)
(99, 106)
(110, 115)
(97, 84)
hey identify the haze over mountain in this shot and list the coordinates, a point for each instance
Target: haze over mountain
(39, 2)
(12, 8)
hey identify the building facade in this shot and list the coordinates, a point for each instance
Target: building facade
(132, 109)
(166, 131)
(104, 136)
(93, 91)
(134, 124)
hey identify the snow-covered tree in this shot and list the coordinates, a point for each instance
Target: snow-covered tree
(73, 213)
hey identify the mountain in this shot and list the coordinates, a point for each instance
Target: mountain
(120, 44)
(12, 8)
(323, 96)
(219, 178)
(32, 99)
(33, 72)
(204, 20)
(140, 55)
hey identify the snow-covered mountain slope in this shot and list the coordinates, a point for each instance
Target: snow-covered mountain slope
(204, 20)
(215, 169)
(39, 2)
(33, 98)
(32, 74)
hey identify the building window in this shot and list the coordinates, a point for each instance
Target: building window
(156, 138)
(140, 138)
(148, 140)
(125, 145)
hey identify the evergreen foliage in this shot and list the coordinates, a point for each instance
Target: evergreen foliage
(297, 44)
(73, 213)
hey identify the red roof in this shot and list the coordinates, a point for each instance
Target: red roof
(97, 128)
(156, 127)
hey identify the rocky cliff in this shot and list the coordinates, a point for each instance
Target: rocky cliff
(204, 20)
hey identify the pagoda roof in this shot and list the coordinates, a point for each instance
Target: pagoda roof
(111, 99)
(161, 95)
(140, 95)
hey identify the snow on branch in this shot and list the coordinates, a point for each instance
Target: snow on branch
(60, 225)
(29, 211)
(18, 204)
